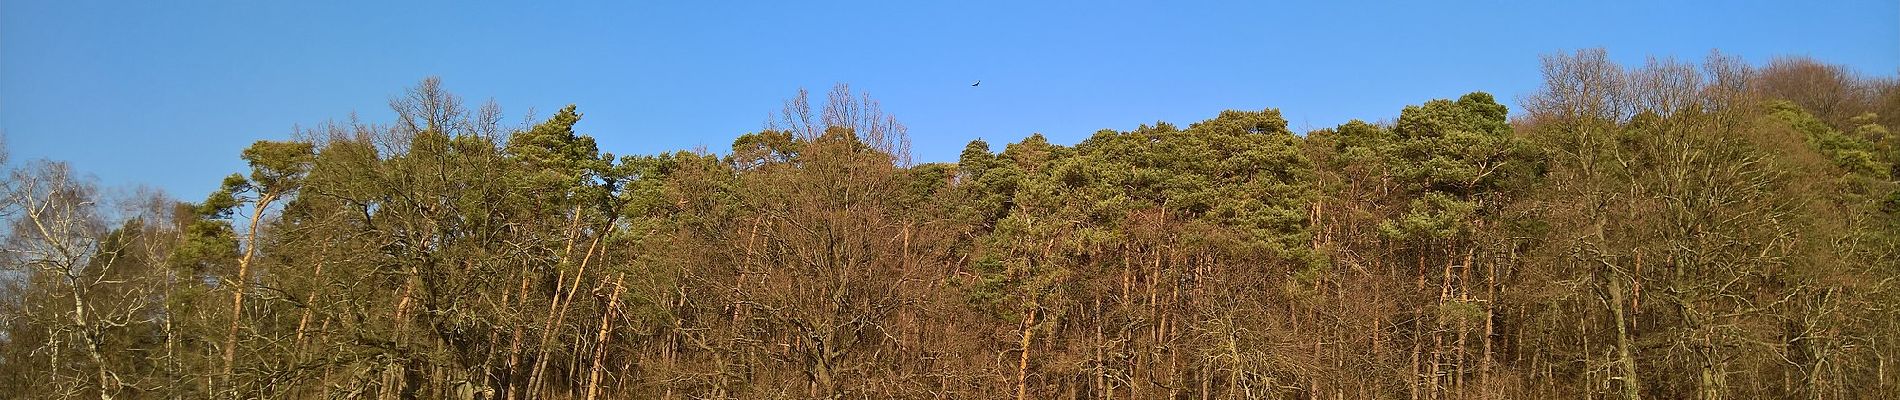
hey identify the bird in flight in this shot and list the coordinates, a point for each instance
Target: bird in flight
(978, 82)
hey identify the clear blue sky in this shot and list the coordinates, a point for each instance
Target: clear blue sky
(166, 94)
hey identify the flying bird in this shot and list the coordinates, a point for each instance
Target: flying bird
(978, 82)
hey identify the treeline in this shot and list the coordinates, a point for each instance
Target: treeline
(1675, 230)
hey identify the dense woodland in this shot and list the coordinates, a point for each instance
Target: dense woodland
(1704, 230)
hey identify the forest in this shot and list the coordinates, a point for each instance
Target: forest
(1707, 229)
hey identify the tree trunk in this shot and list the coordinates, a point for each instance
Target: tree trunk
(237, 288)
(86, 332)
(600, 339)
(1632, 387)
(1490, 327)
(1418, 337)
(536, 381)
(303, 322)
(514, 345)
(1022, 363)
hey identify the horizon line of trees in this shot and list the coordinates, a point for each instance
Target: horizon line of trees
(1699, 230)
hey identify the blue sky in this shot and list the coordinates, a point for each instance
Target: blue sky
(167, 93)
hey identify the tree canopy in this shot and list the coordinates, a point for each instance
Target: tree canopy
(1670, 230)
